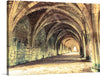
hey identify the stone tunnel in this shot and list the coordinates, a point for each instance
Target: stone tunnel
(42, 30)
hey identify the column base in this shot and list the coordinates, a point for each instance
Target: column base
(95, 69)
(88, 58)
(82, 56)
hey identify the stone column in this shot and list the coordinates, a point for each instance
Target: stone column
(96, 37)
(29, 40)
(83, 46)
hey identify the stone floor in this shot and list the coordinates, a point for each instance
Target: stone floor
(66, 63)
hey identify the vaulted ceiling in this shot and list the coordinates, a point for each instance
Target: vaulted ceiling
(63, 20)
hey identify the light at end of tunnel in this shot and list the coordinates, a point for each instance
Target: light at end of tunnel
(74, 48)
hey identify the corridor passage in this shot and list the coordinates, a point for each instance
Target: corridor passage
(61, 64)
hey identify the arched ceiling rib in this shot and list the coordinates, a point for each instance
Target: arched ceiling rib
(77, 16)
(64, 33)
(63, 18)
(39, 27)
(71, 44)
(87, 17)
(33, 4)
(21, 13)
(60, 10)
(70, 40)
(67, 39)
(64, 37)
(60, 26)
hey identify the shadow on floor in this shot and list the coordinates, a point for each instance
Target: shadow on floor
(54, 60)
